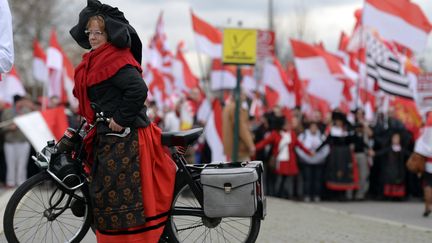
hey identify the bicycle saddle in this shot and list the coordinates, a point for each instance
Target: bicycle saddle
(181, 138)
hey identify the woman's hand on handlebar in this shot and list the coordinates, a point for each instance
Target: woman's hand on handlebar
(114, 126)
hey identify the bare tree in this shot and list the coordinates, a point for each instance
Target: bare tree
(299, 20)
(35, 19)
(297, 27)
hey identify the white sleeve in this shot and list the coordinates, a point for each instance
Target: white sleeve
(6, 39)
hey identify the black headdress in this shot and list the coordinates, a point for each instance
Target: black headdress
(120, 33)
(337, 115)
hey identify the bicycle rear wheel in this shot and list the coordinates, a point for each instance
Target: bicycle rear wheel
(194, 227)
(39, 211)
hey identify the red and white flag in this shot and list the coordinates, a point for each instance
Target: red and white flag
(298, 85)
(156, 85)
(271, 97)
(249, 84)
(159, 40)
(327, 89)
(151, 57)
(322, 70)
(222, 76)
(204, 111)
(68, 82)
(60, 73)
(401, 21)
(40, 70)
(313, 62)
(55, 67)
(275, 78)
(183, 77)
(161, 56)
(158, 46)
(311, 104)
(343, 41)
(42, 126)
(208, 38)
(10, 86)
(357, 38)
(257, 108)
(213, 133)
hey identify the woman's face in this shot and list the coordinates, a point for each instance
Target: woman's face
(339, 123)
(313, 128)
(97, 36)
(396, 139)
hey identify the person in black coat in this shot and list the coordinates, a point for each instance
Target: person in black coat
(393, 158)
(125, 154)
(341, 175)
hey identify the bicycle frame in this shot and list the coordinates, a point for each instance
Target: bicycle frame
(185, 172)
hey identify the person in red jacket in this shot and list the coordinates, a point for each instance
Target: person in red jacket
(283, 141)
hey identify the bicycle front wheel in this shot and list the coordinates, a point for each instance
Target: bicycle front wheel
(195, 227)
(39, 211)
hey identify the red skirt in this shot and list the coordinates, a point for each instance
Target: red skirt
(394, 190)
(157, 180)
(287, 168)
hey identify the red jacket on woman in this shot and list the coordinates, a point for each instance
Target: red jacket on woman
(284, 167)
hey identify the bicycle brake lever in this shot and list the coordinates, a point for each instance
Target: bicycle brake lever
(121, 135)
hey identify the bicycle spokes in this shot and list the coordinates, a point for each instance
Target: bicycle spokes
(44, 215)
(191, 226)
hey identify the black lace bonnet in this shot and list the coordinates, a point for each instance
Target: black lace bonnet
(120, 33)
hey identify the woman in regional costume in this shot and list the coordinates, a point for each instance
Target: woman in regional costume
(132, 178)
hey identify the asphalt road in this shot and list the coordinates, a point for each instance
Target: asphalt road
(333, 222)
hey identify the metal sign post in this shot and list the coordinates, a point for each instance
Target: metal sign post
(239, 48)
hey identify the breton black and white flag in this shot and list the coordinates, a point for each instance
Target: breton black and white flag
(383, 66)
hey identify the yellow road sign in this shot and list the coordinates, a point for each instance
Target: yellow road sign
(239, 46)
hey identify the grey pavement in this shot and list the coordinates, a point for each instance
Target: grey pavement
(333, 222)
(289, 221)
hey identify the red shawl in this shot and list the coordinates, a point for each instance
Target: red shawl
(97, 66)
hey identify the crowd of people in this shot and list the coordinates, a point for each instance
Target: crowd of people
(310, 158)
(15, 149)
(314, 157)
(340, 156)
(339, 159)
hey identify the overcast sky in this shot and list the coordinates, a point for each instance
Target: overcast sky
(325, 18)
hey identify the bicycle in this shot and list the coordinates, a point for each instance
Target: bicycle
(48, 209)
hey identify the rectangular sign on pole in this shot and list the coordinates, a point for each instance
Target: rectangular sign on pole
(239, 46)
(266, 43)
(424, 91)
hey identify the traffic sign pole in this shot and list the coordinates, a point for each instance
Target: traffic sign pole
(236, 115)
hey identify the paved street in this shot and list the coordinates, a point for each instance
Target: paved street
(334, 222)
(289, 221)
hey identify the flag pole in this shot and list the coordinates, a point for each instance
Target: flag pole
(44, 95)
(361, 77)
(34, 89)
(234, 155)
